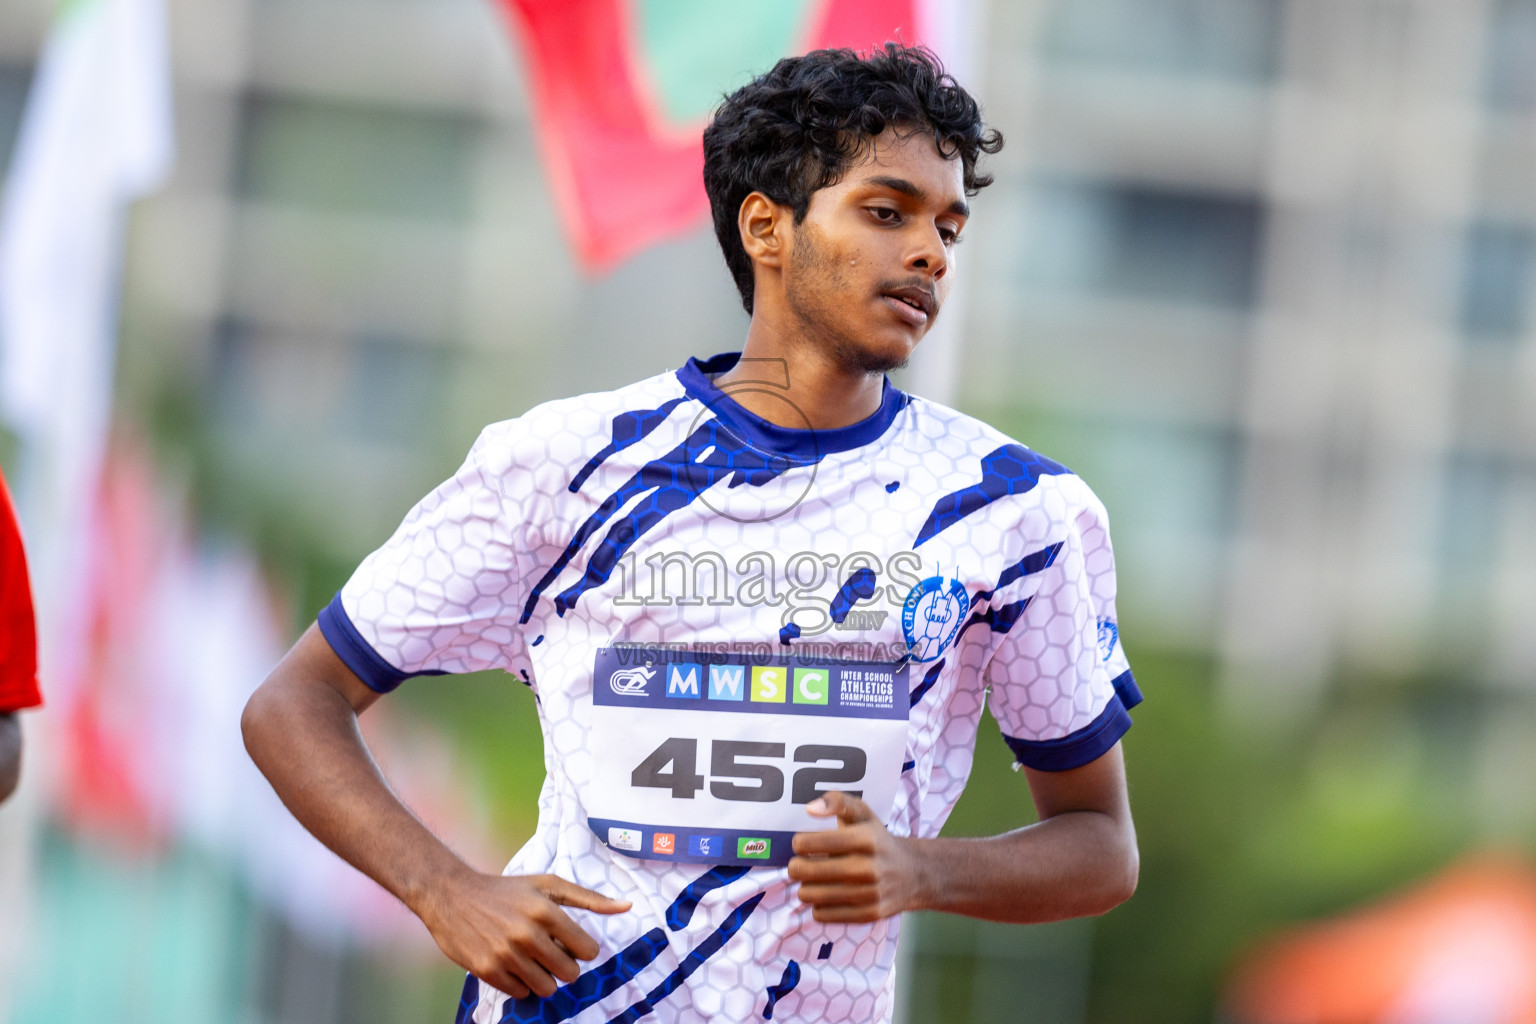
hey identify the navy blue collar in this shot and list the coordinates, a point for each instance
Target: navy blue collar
(801, 444)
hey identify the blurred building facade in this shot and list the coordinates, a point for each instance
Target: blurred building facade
(1263, 271)
(1282, 253)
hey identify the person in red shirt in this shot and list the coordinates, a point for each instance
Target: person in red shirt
(18, 644)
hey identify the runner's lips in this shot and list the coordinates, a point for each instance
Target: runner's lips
(915, 295)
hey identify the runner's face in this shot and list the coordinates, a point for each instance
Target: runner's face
(873, 260)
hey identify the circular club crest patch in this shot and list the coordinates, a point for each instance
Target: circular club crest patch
(931, 616)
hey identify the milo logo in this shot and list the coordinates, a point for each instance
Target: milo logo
(755, 848)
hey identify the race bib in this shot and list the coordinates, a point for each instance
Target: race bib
(712, 758)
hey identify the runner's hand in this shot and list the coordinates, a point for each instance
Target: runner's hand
(857, 872)
(510, 932)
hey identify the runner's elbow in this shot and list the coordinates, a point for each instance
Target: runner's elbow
(258, 722)
(1120, 877)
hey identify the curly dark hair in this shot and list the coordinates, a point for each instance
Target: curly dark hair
(797, 128)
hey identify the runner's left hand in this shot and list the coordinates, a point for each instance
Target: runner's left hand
(857, 872)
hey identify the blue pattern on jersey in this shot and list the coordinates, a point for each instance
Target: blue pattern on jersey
(1003, 617)
(1011, 469)
(926, 685)
(825, 951)
(710, 454)
(593, 986)
(682, 908)
(692, 962)
(890, 488)
(1000, 619)
(786, 985)
(789, 632)
(1026, 566)
(468, 1000)
(859, 587)
(628, 428)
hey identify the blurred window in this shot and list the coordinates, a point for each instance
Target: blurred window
(13, 100)
(1471, 516)
(1171, 491)
(1168, 480)
(1144, 242)
(1511, 67)
(394, 390)
(356, 158)
(364, 387)
(1234, 38)
(1496, 281)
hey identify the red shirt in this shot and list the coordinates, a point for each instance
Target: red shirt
(18, 628)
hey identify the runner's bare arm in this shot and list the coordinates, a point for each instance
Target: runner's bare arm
(301, 730)
(1080, 858)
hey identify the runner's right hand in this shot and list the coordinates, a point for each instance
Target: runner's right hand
(510, 932)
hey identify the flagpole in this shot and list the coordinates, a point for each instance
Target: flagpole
(953, 29)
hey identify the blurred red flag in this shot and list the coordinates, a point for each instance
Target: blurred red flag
(612, 82)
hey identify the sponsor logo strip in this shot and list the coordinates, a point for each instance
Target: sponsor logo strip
(778, 685)
(695, 845)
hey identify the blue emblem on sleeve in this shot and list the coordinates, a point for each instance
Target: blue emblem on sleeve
(1109, 635)
(931, 616)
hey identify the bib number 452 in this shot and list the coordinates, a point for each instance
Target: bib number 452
(674, 766)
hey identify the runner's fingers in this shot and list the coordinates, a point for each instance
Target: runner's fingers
(834, 895)
(850, 810)
(851, 868)
(505, 981)
(566, 932)
(548, 954)
(537, 980)
(569, 894)
(836, 842)
(849, 914)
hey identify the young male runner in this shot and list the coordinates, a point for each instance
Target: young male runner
(761, 602)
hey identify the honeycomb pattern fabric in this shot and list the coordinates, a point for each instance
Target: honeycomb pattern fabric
(665, 514)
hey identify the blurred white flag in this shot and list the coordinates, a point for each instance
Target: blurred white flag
(96, 134)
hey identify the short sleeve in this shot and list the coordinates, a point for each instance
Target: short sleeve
(1060, 686)
(18, 626)
(443, 594)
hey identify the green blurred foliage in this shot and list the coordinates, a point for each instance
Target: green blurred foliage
(494, 726)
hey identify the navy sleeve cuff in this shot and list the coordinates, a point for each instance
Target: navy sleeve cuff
(1125, 686)
(1074, 750)
(357, 654)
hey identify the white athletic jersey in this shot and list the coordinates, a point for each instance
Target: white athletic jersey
(720, 618)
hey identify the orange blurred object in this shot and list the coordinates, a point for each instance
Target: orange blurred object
(1461, 947)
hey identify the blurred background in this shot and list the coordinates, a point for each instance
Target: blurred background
(1262, 271)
